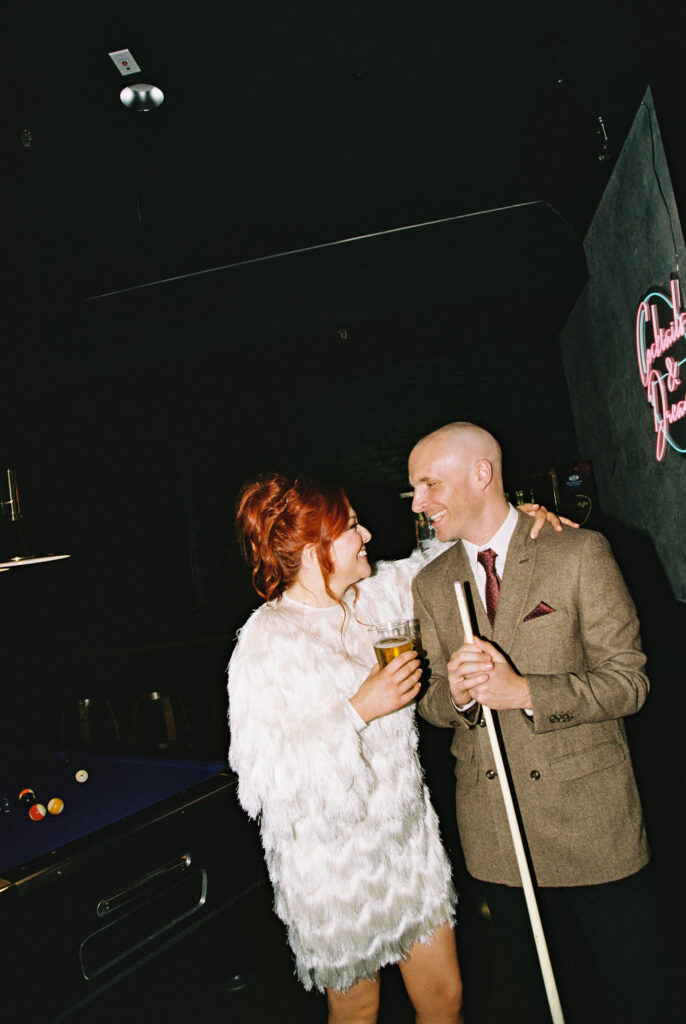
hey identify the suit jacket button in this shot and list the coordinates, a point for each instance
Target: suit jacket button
(554, 718)
(490, 774)
(535, 774)
(482, 722)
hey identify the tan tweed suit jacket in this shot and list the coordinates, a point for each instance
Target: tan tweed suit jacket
(570, 764)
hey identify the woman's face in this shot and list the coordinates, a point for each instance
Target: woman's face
(350, 556)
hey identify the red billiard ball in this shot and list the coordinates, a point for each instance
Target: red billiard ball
(37, 812)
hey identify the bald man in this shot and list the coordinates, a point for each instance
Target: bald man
(559, 659)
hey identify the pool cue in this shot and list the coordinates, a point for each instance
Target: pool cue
(532, 907)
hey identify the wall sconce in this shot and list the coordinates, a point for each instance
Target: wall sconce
(11, 525)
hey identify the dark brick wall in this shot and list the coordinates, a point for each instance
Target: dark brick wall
(133, 466)
(630, 247)
(353, 411)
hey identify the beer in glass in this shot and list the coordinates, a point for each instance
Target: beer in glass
(392, 638)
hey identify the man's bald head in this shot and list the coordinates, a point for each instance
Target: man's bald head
(456, 473)
(467, 443)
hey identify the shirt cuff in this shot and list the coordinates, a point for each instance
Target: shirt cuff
(464, 707)
(357, 719)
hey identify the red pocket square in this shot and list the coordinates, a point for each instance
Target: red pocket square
(541, 609)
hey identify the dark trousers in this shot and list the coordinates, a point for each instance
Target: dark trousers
(606, 945)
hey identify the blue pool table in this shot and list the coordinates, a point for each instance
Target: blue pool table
(117, 788)
(144, 852)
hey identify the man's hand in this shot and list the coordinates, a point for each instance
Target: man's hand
(503, 688)
(543, 515)
(467, 666)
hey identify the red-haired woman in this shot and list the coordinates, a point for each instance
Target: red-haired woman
(324, 744)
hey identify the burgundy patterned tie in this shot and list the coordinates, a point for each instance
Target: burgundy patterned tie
(487, 559)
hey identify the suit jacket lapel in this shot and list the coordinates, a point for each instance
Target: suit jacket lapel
(464, 574)
(516, 583)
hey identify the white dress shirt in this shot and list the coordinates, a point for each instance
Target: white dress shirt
(499, 542)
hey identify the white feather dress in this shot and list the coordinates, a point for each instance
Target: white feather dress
(351, 840)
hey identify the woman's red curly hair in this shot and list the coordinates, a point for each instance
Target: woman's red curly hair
(276, 517)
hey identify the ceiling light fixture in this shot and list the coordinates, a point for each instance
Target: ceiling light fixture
(142, 97)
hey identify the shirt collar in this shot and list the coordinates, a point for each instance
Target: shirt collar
(499, 542)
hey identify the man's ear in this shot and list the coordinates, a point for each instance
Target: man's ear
(484, 473)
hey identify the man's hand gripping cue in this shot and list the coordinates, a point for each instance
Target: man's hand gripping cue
(478, 671)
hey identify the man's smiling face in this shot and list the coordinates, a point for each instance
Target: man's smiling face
(445, 488)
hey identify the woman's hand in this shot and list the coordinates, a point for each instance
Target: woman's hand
(543, 515)
(389, 689)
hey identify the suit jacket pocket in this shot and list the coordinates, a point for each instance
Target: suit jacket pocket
(462, 749)
(585, 762)
(542, 622)
(548, 645)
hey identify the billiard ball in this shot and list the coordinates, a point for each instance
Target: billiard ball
(6, 805)
(55, 805)
(37, 812)
(27, 797)
(81, 775)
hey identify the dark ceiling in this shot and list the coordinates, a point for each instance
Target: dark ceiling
(292, 124)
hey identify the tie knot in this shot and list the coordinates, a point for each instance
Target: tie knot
(487, 559)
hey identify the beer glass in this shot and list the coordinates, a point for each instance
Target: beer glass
(424, 531)
(392, 638)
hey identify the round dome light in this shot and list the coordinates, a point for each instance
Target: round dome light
(142, 97)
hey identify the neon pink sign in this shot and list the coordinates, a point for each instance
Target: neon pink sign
(659, 365)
